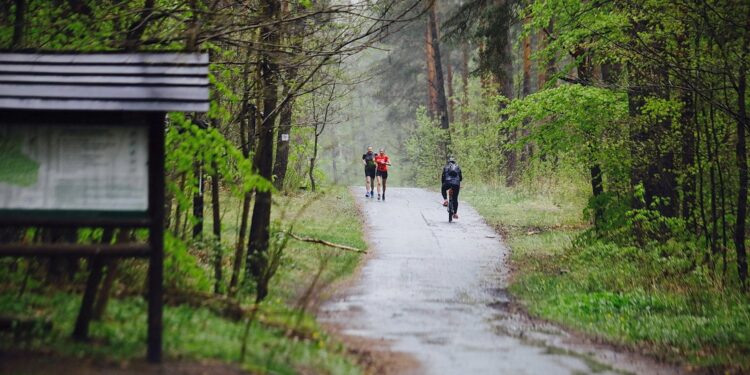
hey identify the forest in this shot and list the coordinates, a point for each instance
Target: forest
(604, 140)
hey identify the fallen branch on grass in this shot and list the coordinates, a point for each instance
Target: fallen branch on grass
(219, 304)
(232, 309)
(326, 243)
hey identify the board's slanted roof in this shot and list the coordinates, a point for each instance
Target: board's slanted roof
(105, 82)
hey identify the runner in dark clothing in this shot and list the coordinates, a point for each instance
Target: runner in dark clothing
(451, 179)
(368, 159)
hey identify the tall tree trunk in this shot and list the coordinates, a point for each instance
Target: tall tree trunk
(334, 156)
(585, 76)
(239, 249)
(651, 152)
(526, 83)
(526, 88)
(247, 129)
(542, 71)
(432, 105)
(259, 229)
(291, 33)
(687, 124)
(198, 201)
(722, 192)
(741, 157)
(597, 188)
(449, 73)
(711, 154)
(178, 208)
(138, 27)
(465, 81)
(216, 210)
(701, 193)
(19, 24)
(439, 84)
(285, 129)
(168, 202)
(688, 153)
(311, 171)
(504, 76)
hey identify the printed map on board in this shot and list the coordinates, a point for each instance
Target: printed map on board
(15, 167)
(74, 168)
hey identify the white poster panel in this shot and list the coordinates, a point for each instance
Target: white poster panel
(98, 168)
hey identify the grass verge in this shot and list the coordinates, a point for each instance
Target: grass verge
(285, 339)
(650, 300)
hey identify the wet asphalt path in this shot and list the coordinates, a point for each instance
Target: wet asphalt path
(436, 291)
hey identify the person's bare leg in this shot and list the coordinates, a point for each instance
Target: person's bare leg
(380, 179)
(368, 185)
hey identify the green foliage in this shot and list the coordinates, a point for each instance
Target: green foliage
(283, 340)
(476, 141)
(298, 167)
(643, 298)
(302, 259)
(188, 332)
(90, 26)
(577, 29)
(188, 144)
(584, 124)
(529, 206)
(641, 292)
(423, 149)
(181, 269)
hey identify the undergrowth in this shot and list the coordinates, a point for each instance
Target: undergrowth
(284, 338)
(649, 296)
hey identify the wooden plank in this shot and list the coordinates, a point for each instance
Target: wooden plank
(105, 69)
(18, 90)
(103, 105)
(105, 80)
(81, 329)
(45, 219)
(117, 250)
(107, 58)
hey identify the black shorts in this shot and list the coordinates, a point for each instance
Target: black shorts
(370, 172)
(383, 174)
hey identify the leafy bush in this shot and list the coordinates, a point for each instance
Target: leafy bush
(181, 269)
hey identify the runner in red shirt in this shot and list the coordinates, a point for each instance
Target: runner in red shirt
(382, 161)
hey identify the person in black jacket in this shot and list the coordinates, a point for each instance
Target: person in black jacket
(451, 179)
(368, 159)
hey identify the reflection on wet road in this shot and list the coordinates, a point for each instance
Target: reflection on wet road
(436, 290)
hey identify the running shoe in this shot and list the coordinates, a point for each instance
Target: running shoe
(455, 216)
(378, 196)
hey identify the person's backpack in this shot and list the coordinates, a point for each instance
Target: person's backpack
(452, 170)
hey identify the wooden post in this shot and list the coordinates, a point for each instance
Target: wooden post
(156, 236)
(81, 330)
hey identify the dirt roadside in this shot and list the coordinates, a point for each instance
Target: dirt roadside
(374, 356)
(500, 333)
(37, 363)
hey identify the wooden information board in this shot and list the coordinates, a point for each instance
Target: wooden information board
(82, 145)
